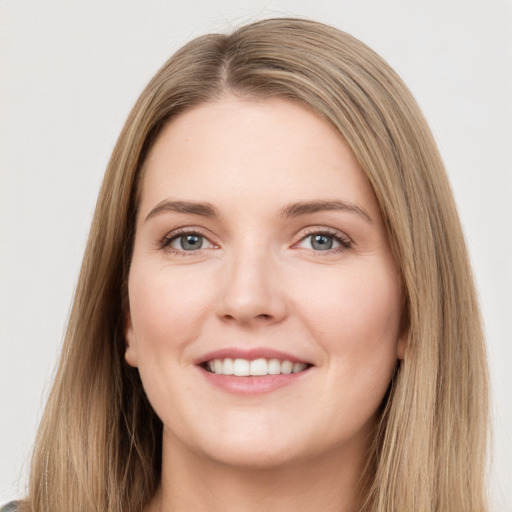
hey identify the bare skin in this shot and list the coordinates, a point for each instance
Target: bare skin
(258, 237)
(300, 487)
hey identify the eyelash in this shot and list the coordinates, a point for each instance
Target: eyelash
(344, 241)
(169, 238)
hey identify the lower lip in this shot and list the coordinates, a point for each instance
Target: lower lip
(252, 385)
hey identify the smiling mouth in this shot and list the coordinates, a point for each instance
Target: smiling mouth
(256, 367)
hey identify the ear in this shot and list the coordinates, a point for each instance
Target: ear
(401, 344)
(131, 343)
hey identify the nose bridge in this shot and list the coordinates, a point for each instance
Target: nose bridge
(251, 291)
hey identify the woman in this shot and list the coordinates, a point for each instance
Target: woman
(275, 306)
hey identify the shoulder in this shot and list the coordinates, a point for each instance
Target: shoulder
(9, 507)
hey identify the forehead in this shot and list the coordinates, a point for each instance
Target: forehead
(252, 150)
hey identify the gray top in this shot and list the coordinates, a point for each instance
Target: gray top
(9, 507)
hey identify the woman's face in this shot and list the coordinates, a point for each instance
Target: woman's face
(258, 238)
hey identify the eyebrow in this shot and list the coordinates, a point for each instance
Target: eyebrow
(190, 207)
(289, 211)
(305, 208)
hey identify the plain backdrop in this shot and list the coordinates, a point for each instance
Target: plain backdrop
(70, 72)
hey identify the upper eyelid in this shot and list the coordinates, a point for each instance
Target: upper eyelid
(301, 234)
(311, 230)
(192, 230)
(165, 242)
(345, 242)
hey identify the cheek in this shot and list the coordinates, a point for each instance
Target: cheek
(355, 315)
(166, 307)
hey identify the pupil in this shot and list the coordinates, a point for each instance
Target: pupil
(322, 242)
(190, 242)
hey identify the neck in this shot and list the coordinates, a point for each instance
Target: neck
(193, 482)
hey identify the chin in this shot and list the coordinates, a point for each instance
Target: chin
(253, 458)
(248, 448)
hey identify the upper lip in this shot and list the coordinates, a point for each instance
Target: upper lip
(250, 354)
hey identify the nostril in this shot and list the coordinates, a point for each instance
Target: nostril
(251, 305)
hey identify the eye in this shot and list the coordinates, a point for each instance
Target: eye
(324, 241)
(187, 242)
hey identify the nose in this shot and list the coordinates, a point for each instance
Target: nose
(252, 292)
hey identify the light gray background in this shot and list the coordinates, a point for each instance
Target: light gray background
(70, 72)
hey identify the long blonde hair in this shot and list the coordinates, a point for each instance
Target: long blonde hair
(99, 443)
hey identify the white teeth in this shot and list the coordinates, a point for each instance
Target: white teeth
(298, 367)
(286, 367)
(241, 367)
(227, 366)
(256, 367)
(274, 367)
